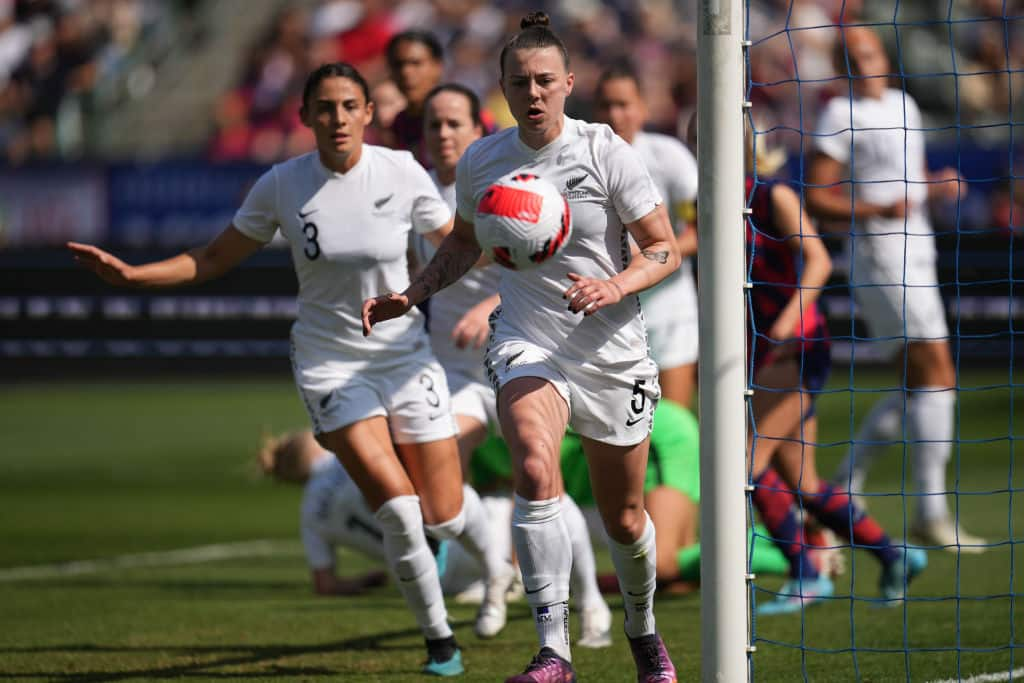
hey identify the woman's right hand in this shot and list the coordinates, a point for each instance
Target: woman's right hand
(384, 307)
(107, 266)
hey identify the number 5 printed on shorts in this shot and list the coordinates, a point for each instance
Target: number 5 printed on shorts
(637, 402)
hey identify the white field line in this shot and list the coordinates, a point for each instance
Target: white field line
(196, 555)
(988, 678)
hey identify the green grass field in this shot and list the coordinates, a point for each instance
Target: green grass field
(90, 471)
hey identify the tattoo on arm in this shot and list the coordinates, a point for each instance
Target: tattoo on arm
(659, 256)
(449, 264)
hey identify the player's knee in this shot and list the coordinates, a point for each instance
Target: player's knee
(537, 468)
(627, 525)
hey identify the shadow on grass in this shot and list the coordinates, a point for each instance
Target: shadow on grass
(233, 656)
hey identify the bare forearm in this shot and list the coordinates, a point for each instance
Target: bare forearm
(453, 259)
(651, 265)
(826, 205)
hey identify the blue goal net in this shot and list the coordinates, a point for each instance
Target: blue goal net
(884, 265)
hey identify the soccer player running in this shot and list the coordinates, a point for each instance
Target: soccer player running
(788, 266)
(670, 307)
(459, 314)
(380, 404)
(568, 344)
(459, 327)
(872, 139)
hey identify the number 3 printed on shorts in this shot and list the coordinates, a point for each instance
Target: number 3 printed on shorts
(427, 382)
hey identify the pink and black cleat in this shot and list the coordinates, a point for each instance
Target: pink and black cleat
(548, 667)
(652, 661)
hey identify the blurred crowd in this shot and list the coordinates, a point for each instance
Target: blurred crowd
(60, 59)
(962, 62)
(258, 120)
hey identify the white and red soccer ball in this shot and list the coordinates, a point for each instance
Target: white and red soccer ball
(522, 221)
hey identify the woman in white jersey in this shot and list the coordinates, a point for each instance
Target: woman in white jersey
(568, 345)
(459, 327)
(459, 314)
(876, 134)
(347, 209)
(670, 307)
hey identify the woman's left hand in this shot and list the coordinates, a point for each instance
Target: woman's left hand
(587, 294)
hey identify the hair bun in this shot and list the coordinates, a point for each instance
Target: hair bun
(535, 19)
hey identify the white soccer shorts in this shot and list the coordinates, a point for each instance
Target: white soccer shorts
(899, 303)
(409, 389)
(612, 403)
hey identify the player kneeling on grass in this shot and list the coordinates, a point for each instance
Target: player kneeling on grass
(671, 497)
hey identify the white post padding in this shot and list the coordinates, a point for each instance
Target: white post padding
(722, 362)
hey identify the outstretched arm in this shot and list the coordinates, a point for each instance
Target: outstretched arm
(456, 255)
(223, 253)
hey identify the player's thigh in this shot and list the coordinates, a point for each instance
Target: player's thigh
(617, 475)
(472, 433)
(434, 470)
(778, 405)
(679, 383)
(365, 449)
(533, 416)
(475, 410)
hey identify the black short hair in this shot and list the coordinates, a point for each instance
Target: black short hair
(459, 89)
(334, 70)
(622, 69)
(425, 38)
(534, 34)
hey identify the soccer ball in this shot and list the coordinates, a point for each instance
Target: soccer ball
(522, 221)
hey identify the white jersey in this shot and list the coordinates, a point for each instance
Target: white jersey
(674, 172)
(334, 513)
(882, 143)
(449, 305)
(606, 185)
(348, 234)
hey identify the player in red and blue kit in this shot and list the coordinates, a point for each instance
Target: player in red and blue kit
(788, 267)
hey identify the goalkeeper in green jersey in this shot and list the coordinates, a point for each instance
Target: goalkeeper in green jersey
(672, 494)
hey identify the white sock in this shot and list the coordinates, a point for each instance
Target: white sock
(471, 530)
(545, 558)
(930, 431)
(584, 567)
(883, 423)
(635, 565)
(412, 564)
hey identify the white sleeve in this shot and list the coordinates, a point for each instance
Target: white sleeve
(683, 177)
(627, 181)
(257, 217)
(464, 203)
(319, 553)
(429, 210)
(832, 135)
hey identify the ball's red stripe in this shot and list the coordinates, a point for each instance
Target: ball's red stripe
(511, 202)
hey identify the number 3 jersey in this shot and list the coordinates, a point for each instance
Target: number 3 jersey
(606, 185)
(348, 234)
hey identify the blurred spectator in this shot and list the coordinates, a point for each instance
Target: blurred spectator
(416, 63)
